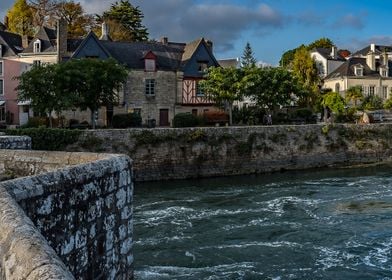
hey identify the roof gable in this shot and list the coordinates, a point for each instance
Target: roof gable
(11, 42)
(194, 53)
(48, 40)
(91, 47)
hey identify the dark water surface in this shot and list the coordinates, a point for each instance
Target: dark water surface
(328, 224)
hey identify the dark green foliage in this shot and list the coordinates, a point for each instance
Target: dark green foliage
(52, 139)
(248, 115)
(127, 120)
(248, 59)
(130, 18)
(185, 120)
(371, 102)
(92, 143)
(36, 122)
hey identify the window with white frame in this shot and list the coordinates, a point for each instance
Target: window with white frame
(37, 46)
(1, 87)
(371, 90)
(384, 72)
(384, 92)
(149, 65)
(150, 87)
(358, 71)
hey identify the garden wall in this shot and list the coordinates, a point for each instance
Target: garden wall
(162, 154)
(80, 205)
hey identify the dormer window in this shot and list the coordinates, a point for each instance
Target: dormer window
(149, 65)
(358, 70)
(150, 62)
(37, 46)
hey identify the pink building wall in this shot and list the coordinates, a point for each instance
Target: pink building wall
(11, 69)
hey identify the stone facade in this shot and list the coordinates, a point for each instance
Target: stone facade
(81, 203)
(164, 98)
(163, 154)
(15, 142)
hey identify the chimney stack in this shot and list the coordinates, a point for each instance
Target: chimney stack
(371, 60)
(373, 47)
(209, 45)
(25, 41)
(334, 52)
(6, 22)
(105, 32)
(164, 40)
(62, 35)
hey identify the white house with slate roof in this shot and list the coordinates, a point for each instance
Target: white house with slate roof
(327, 60)
(373, 72)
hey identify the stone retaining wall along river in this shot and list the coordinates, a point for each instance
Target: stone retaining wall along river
(162, 154)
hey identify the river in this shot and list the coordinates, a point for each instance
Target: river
(318, 224)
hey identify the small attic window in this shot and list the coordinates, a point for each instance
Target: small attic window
(149, 65)
(37, 46)
(358, 70)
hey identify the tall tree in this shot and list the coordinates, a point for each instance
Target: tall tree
(248, 59)
(304, 68)
(20, 18)
(271, 87)
(335, 102)
(125, 17)
(44, 12)
(223, 86)
(79, 23)
(95, 84)
(40, 85)
(321, 43)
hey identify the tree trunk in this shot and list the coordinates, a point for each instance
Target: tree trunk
(50, 120)
(230, 113)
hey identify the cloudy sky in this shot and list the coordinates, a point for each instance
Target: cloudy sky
(270, 26)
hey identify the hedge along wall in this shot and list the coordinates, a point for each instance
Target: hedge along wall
(82, 205)
(161, 154)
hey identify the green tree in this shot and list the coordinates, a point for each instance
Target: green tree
(79, 23)
(371, 102)
(41, 86)
(271, 87)
(248, 59)
(335, 102)
(20, 18)
(223, 86)
(388, 103)
(304, 68)
(354, 94)
(287, 58)
(94, 82)
(127, 20)
(320, 43)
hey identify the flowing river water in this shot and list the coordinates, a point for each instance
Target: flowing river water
(318, 224)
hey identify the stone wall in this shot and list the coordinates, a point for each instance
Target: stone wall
(82, 205)
(161, 154)
(15, 142)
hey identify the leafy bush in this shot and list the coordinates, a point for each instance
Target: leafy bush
(127, 120)
(371, 102)
(37, 122)
(51, 139)
(304, 113)
(247, 115)
(388, 103)
(185, 120)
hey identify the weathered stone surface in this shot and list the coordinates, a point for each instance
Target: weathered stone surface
(168, 153)
(15, 142)
(65, 195)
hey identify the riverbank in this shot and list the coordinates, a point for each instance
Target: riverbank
(168, 153)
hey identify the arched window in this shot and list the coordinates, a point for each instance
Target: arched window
(37, 46)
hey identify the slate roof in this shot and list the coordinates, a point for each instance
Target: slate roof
(131, 54)
(12, 43)
(230, 62)
(347, 69)
(378, 50)
(326, 53)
